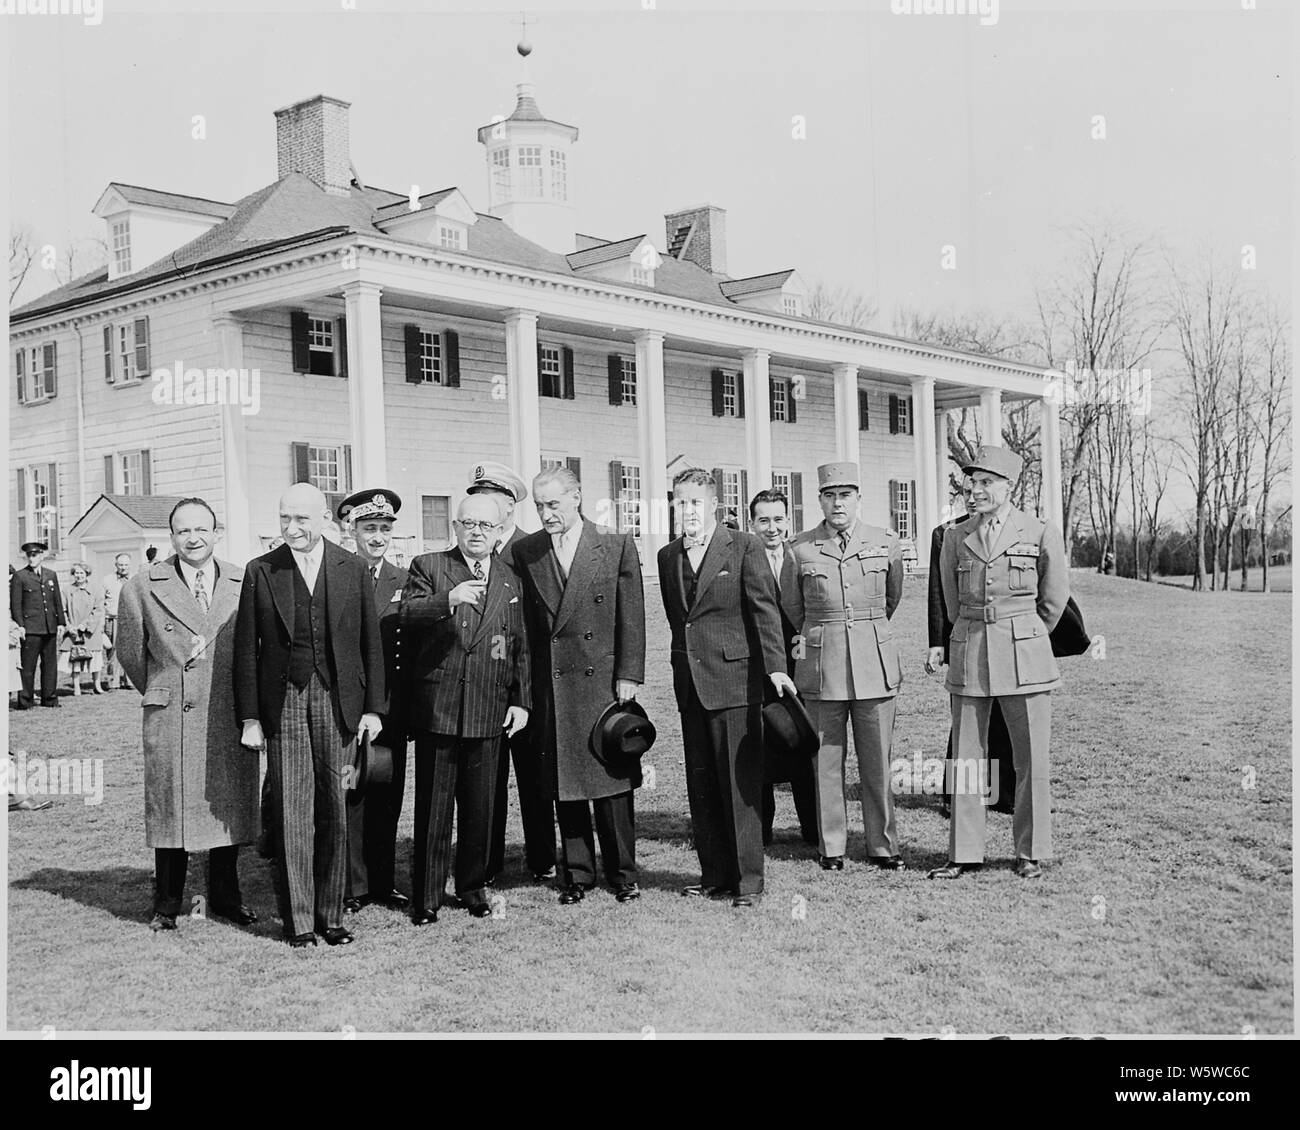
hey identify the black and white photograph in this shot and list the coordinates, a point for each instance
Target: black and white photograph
(652, 520)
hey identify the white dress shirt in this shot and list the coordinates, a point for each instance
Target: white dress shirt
(189, 573)
(485, 563)
(309, 563)
(775, 558)
(566, 545)
(695, 553)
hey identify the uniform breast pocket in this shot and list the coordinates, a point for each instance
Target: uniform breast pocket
(957, 653)
(963, 577)
(890, 662)
(1022, 573)
(815, 581)
(1034, 660)
(874, 572)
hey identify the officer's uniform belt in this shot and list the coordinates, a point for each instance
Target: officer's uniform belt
(848, 616)
(1004, 609)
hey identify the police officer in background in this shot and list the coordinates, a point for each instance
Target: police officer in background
(373, 815)
(1005, 586)
(535, 808)
(36, 606)
(840, 585)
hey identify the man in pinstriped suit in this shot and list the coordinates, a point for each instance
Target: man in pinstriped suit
(470, 686)
(309, 673)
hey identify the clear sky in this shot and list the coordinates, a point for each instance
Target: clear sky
(922, 130)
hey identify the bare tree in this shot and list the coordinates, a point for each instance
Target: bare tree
(841, 305)
(1152, 464)
(1272, 418)
(20, 259)
(1234, 440)
(1095, 318)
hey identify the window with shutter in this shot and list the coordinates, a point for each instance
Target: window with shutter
(141, 347)
(109, 375)
(20, 507)
(298, 334)
(413, 340)
(893, 414)
(50, 363)
(109, 477)
(20, 371)
(796, 502)
(614, 375)
(435, 522)
(779, 396)
(574, 464)
(615, 494)
(629, 499)
(904, 415)
(301, 466)
(550, 374)
(146, 472)
(719, 405)
(567, 364)
(451, 359)
(864, 416)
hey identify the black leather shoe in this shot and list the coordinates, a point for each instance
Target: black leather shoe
(239, 914)
(338, 936)
(301, 941)
(395, 900)
(952, 870)
(627, 892)
(545, 876)
(1028, 869)
(699, 890)
(424, 917)
(480, 910)
(888, 862)
(746, 900)
(353, 905)
(162, 922)
(573, 893)
(831, 862)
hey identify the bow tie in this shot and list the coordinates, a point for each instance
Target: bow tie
(694, 543)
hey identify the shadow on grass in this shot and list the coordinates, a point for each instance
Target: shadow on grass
(125, 892)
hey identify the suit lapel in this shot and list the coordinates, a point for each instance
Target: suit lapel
(586, 561)
(385, 586)
(973, 542)
(281, 582)
(174, 595)
(225, 592)
(545, 571)
(1008, 533)
(715, 557)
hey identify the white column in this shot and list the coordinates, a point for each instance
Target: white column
(927, 500)
(846, 413)
(240, 543)
(758, 422)
(652, 443)
(524, 409)
(991, 417)
(1051, 503)
(941, 461)
(366, 385)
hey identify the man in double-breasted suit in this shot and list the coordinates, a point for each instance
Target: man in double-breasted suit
(1005, 586)
(769, 521)
(586, 629)
(36, 606)
(720, 600)
(841, 583)
(176, 642)
(536, 806)
(309, 674)
(464, 624)
(939, 629)
(373, 815)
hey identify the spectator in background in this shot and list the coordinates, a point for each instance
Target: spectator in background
(81, 634)
(111, 593)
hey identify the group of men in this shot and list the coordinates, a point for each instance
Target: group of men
(529, 649)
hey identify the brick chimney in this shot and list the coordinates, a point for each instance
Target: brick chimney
(311, 137)
(698, 235)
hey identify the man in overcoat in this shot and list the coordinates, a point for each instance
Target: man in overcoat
(586, 626)
(176, 642)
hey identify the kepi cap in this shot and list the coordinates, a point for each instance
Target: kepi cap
(498, 477)
(996, 461)
(379, 502)
(842, 474)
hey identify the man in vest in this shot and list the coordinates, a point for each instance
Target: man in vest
(1005, 586)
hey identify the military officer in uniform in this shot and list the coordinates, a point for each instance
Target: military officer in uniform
(840, 585)
(535, 807)
(1005, 586)
(373, 815)
(36, 606)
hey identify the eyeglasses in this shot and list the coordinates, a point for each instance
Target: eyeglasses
(469, 525)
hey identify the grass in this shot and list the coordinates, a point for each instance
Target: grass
(1279, 579)
(1168, 908)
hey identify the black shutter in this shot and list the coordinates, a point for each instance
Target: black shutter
(108, 474)
(53, 473)
(566, 361)
(541, 384)
(615, 490)
(796, 502)
(740, 394)
(298, 334)
(575, 465)
(146, 473)
(893, 414)
(341, 366)
(22, 505)
(615, 368)
(347, 468)
(864, 416)
(893, 502)
(298, 452)
(450, 359)
(791, 415)
(911, 416)
(108, 353)
(717, 392)
(414, 374)
(50, 361)
(771, 398)
(719, 511)
(20, 370)
(141, 348)
(916, 513)
(744, 497)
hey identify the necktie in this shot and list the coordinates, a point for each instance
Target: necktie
(478, 570)
(200, 590)
(844, 540)
(374, 572)
(986, 538)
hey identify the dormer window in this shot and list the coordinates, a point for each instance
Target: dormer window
(790, 305)
(530, 171)
(559, 175)
(120, 230)
(450, 237)
(642, 277)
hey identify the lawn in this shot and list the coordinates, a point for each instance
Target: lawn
(1279, 579)
(1168, 908)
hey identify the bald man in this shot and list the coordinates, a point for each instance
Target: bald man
(309, 674)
